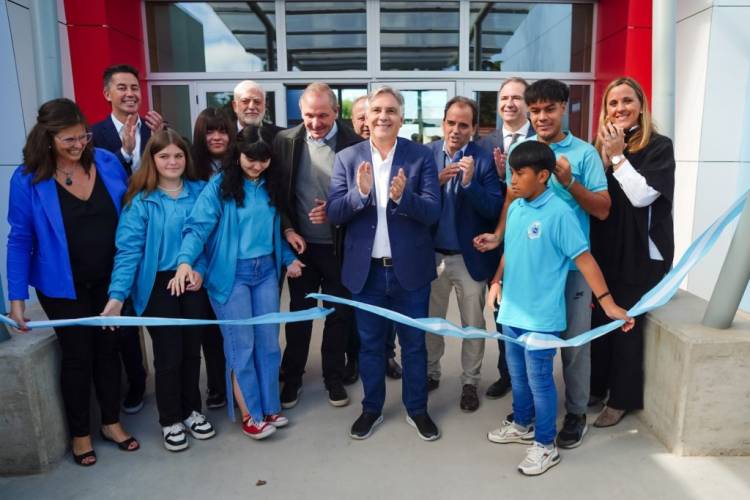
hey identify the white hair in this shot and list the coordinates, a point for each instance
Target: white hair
(246, 85)
(385, 89)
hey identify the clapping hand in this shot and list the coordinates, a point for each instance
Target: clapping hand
(364, 178)
(398, 183)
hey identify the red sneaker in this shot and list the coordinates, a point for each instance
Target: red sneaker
(277, 420)
(257, 431)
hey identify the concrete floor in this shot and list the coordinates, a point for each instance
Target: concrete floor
(315, 458)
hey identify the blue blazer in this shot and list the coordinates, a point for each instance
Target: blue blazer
(408, 222)
(495, 140)
(139, 237)
(106, 137)
(478, 208)
(37, 245)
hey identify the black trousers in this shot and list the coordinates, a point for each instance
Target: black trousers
(322, 272)
(129, 345)
(617, 358)
(213, 354)
(177, 358)
(88, 353)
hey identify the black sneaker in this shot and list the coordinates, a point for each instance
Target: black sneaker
(393, 369)
(290, 394)
(469, 398)
(426, 428)
(133, 402)
(571, 435)
(351, 372)
(432, 384)
(337, 394)
(498, 389)
(215, 401)
(362, 427)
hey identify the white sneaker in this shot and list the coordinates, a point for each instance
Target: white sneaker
(538, 459)
(175, 438)
(511, 433)
(199, 426)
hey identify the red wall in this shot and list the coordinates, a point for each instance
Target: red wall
(623, 46)
(100, 34)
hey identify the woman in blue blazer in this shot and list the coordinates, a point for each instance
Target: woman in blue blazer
(63, 211)
(162, 193)
(237, 217)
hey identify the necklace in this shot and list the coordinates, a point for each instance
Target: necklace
(175, 190)
(68, 176)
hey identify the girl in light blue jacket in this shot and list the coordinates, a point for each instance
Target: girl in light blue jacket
(160, 196)
(237, 218)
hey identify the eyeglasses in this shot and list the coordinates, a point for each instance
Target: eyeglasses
(71, 141)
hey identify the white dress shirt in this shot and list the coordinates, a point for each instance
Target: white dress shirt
(135, 158)
(508, 135)
(640, 194)
(381, 179)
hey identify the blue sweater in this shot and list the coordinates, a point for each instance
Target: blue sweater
(140, 235)
(214, 223)
(37, 245)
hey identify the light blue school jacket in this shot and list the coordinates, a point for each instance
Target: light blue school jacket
(139, 237)
(214, 223)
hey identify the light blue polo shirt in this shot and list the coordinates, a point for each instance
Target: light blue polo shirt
(587, 168)
(542, 237)
(176, 210)
(255, 219)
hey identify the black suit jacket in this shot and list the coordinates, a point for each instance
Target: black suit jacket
(287, 150)
(495, 140)
(106, 137)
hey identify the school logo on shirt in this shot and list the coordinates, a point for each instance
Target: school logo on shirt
(535, 230)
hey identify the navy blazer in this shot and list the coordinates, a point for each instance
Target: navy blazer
(409, 221)
(478, 208)
(37, 244)
(495, 140)
(106, 137)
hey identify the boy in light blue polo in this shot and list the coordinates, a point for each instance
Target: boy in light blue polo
(542, 238)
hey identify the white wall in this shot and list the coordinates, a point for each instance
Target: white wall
(712, 137)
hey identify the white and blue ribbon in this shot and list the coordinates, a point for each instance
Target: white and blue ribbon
(656, 297)
(104, 321)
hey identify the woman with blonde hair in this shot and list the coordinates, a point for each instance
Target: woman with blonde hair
(635, 244)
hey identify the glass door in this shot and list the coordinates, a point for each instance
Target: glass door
(424, 103)
(220, 94)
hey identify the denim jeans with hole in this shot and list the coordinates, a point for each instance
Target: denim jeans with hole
(533, 386)
(252, 352)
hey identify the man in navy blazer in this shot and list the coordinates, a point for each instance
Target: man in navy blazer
(123, 132)
(385, 192)
(471, 204)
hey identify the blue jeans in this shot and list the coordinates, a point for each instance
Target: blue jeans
(252, 352)
(533, 386)
(383, 289)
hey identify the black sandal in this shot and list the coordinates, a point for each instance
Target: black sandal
(80, 458)
(123, 445)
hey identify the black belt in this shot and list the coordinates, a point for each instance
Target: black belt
(383, 261)
(448, 252)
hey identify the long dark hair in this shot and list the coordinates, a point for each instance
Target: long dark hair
(255, 143)
(209, 120)
(146, 178)
(39, 154)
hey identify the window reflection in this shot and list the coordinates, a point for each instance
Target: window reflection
(419, 36)
(326, 36)
(173, 103)
(423, 115)
(211, 36)
(530, 37)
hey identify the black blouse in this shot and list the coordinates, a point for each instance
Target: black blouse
(620, 243)
(90, 227)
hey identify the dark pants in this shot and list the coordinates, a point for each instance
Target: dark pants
(87, 353)
(352, 346)
(129, 345)
(213, 354)
(383, 289)
(322, 271)
(177, 359)
(617, 358)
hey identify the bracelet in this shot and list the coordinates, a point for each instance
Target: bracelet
(600, 297)
(572, 181)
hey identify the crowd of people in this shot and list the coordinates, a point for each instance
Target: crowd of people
(126, 217)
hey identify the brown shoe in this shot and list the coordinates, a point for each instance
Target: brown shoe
(609, 417)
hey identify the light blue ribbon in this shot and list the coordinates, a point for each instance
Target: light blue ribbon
(276, 317)
(656, 297)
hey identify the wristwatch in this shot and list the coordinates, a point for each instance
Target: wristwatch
(617, 159)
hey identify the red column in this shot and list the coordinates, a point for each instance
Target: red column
(101, 34)
(623, 46)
